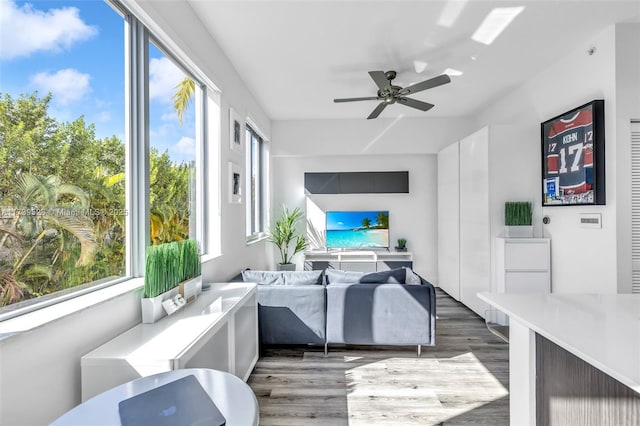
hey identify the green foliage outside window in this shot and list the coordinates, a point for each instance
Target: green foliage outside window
(62, 201)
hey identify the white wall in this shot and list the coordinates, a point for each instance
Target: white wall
(585, 260)
(628, 107)
(411, 216)
(40, 369)
(365, 137)
(367, 145)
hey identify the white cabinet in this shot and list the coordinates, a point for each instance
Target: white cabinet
(476, 176)
(523, 265)
(218, 330)
(449, 220)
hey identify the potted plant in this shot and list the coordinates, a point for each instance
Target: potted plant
(170, 268)
(283, 233)
(518, 218)
(402, 244)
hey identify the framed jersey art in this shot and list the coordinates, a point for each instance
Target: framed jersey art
(573, 157)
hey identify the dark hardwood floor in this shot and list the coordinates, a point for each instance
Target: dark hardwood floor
(463, 380)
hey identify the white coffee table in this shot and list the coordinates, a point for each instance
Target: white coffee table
(233, 397)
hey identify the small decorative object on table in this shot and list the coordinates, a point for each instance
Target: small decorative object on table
(518, 219)
(171, 269)
(402, 244)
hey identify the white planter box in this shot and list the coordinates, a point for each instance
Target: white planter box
(152, 309)
(520, 231)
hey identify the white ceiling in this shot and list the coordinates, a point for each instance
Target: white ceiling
(297, 56)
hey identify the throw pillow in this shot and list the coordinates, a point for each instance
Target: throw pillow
(412, 278)
(397, 276)
(350, 277)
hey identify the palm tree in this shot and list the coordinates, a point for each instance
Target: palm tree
(366, 223)
(45, 211)
(383, 220)
(183, 96)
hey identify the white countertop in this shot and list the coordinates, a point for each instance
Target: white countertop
(602, 329)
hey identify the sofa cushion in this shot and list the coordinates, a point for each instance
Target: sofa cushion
(344, 277)
(397, 276)
(412, 278)
(283, 277)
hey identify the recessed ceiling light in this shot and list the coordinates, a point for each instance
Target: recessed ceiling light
(495, 23)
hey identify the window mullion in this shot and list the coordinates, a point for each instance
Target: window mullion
(137, 145)
(201, 156)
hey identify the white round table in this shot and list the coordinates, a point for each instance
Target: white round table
(233, 397)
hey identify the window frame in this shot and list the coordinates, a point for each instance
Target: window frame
(139, 32)
(252, 204)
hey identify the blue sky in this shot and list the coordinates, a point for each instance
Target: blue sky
(348, 220)
(75, 50)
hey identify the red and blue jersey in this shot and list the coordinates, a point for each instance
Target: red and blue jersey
(570, 152)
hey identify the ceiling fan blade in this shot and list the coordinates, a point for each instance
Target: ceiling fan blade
(380, 78)
(414, 103)
(370, 98)
(376, 112)
(427, 84)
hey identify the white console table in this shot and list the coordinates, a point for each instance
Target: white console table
(358, 260)
(218, 330)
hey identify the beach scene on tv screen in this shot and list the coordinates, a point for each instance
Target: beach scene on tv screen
(357, 229)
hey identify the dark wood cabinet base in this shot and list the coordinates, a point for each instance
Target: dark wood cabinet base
(570, 391)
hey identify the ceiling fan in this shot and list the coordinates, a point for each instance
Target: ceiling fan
(390, 94)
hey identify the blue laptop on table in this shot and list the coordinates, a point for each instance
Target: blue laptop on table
(183, 402)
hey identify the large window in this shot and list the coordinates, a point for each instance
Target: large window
(255, 184)
(172, 159)
(102, 150)
(62, 157)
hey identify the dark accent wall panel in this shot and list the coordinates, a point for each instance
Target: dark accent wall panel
(391, 182)
(357, 183)
(321, 183)
(570, 391)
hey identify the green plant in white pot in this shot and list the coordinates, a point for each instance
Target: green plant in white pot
(170, 268)
(286, 237)
(518, 218)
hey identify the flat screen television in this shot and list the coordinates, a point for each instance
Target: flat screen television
(357, 229)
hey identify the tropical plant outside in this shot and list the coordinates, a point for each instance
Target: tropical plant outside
(62, 201)
(284, 233)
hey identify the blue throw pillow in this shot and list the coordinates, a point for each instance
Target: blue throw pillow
(350, 277)
(391, 276)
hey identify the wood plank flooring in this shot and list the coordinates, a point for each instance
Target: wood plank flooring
(463, 380)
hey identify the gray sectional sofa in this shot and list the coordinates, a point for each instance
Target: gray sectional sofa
(395, 307)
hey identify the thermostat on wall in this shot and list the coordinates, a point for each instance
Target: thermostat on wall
(590, 220)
